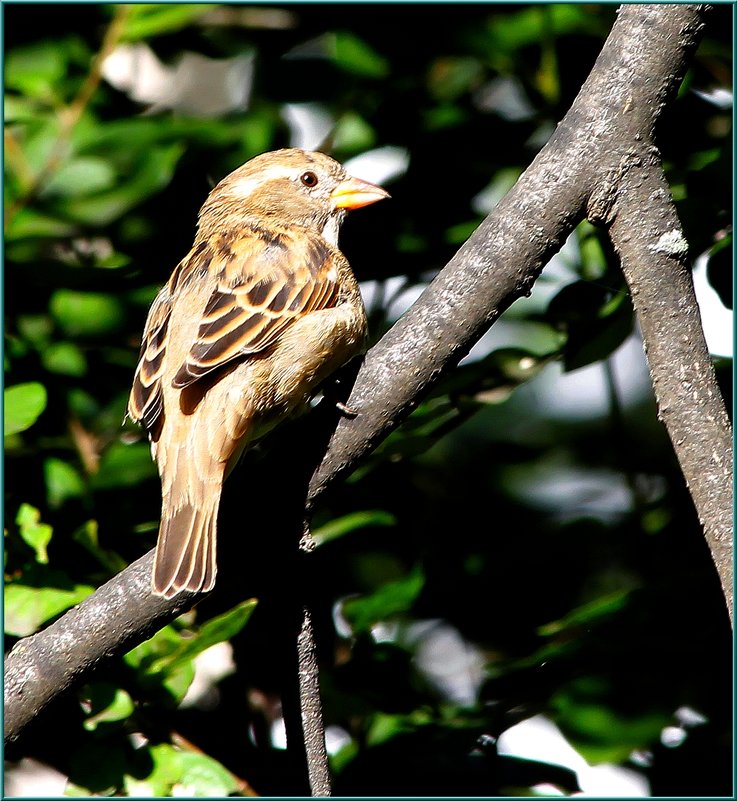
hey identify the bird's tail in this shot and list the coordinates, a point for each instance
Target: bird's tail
(185, 551)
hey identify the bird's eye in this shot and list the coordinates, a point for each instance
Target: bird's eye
(309, 179)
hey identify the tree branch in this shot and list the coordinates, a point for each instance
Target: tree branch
(578, 171)
(648, 237)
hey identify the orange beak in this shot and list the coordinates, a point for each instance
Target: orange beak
(353, 193)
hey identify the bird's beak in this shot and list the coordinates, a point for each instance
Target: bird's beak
(353, 193)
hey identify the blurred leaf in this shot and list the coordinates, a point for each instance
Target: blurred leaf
(596, 319)
(353, 134)
(589, 614)
(597, 731)
(151, 172)
(82, 314)
(393, 598)
(36, 70)
(493, 378)
(86, 535)
(28, 608)
(450, 77)
(352, 54)
(350, 522)
(39, 143)
(22, 404)
(36, 328)
(124, 466)
(64, 358)
(62, 482)
(148, 19)
(81, 176)
(18, 109)
(33, 531)
(29, 223)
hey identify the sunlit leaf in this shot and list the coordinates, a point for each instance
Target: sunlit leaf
(218, 629)
(149, 19)
(351, 522)
(151, 173)
(107, 704)
(64, 358)
(28, 608)
(81, 314)
(36, 69)
(63, 481)
(124, 466)
(33, 531)
(28, 223)
(352, 54)
(23, 404)
(389, 600)
(81, 176)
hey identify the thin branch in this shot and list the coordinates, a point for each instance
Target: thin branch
(68, 117)
(313, 729)
(648, 237)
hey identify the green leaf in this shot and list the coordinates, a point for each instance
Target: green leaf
(124, 466)
(219, 629)
(148, 658)
(35, 70)
(596, 319)
(28, 608)
(350, 522)
(31, 224)
(108, 704)
(23, 404)
(149, 19)
(353, 134)
(190, 774)
(449, 77)
(62, 482)
(150, 173)
(204, 777)
(81, 314)
(33, 531)
(389, 600)
(81, 176)
(64, 358)
(589, 614)
(353, 55)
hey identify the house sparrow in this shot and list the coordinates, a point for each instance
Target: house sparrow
(258, 314)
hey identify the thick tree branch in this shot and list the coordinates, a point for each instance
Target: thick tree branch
(648, 238)
(579, 171)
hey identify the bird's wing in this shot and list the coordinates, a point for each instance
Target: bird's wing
(264, 281)
(145, 401)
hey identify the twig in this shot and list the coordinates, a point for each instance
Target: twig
(313, 729)
(70, 115)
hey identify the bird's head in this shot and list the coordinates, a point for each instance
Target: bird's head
(289, 187)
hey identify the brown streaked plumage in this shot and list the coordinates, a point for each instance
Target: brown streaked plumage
(258, 314)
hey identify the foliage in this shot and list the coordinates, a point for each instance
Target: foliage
(558, 546)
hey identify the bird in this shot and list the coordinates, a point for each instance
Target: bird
(254, 319)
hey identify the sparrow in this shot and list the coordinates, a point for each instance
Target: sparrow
(253, 320)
